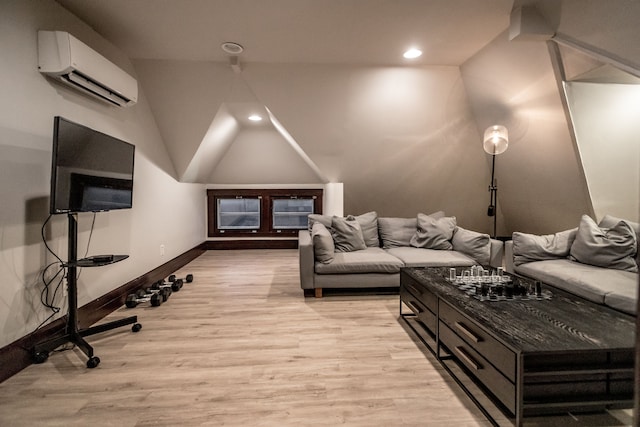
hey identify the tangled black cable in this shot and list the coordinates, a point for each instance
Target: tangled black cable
(48, 296)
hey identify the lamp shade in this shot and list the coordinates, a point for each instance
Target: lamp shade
(496, 139)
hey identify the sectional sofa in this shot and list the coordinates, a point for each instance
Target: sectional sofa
(366, 251)
(597, 262)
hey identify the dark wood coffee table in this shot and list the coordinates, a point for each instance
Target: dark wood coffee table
(530, 357)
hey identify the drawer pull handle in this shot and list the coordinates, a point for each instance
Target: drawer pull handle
(414, 290)
(472, 336)
(462, 353)
(414, 307)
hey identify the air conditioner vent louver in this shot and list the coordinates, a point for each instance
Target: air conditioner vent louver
(67, 59)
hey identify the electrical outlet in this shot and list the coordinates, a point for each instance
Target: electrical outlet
(161, 250)
(65, 288)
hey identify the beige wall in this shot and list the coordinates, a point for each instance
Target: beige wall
(165, 211)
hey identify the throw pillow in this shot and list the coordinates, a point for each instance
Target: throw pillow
(347, 234)
(323, 247)
(531, 247)
(613, 247)
(369, 225)
(434, 233)
(474, 244)
(397, 232)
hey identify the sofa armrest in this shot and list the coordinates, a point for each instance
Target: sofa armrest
(509, 267)
(497, 252)
(306, 259)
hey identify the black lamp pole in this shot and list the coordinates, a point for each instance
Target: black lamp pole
(493, 196)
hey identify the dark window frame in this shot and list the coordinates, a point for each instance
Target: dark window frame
(266, 207)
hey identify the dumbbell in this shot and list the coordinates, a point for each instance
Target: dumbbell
(188, 278)
(165, 293)
(161, 284)
(134, 299)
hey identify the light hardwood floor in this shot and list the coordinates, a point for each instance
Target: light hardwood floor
(241, 346)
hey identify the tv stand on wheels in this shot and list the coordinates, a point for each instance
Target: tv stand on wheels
(72, 333)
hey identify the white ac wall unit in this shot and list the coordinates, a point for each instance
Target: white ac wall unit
(65, 58)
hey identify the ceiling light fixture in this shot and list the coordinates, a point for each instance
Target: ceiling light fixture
(412, 53)
(255, 118)
(232, 48)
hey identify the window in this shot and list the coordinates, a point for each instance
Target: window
(238, 214)
(274, 212)
(291, 214)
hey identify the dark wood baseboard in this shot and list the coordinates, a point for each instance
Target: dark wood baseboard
(17, 355)
(251, 244)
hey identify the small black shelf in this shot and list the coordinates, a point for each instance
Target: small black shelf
(98, 262)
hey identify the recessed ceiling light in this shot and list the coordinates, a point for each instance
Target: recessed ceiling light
(412, 53)
(232, 48)
(255, 118)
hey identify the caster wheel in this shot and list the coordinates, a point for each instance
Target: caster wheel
(189, 278)
(41, 357)
(93, 362)
(136, 327)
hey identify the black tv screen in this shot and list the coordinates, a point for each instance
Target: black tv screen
(90, 171)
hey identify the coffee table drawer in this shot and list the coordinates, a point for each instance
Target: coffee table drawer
(423, 314)
(480, 340)
(426, 297)
(491, 378)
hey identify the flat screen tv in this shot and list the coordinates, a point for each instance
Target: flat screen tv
(90, 171)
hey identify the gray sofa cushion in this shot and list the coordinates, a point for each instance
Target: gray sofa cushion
(587, 281)
(369, 225)
(475, 245)
(531, 247)
(609, 221)
(613, 247)
(397, 232)
(419, 257)
(369, 260)
(323, 219)
(623, 298)
(347, 234)
(434, 233)
(324, 248)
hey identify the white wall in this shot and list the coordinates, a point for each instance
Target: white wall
(165, 211)
(606, 118)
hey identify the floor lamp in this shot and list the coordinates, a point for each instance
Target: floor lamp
(496, 141)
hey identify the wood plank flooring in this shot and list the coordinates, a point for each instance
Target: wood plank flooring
(241, 346)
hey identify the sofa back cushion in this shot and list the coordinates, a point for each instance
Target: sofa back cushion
(609, 221)
(614, 247)
(322, 219)
(473, 244)
(434, 233)
(369, 225)
(397, 232)
(531, 247)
